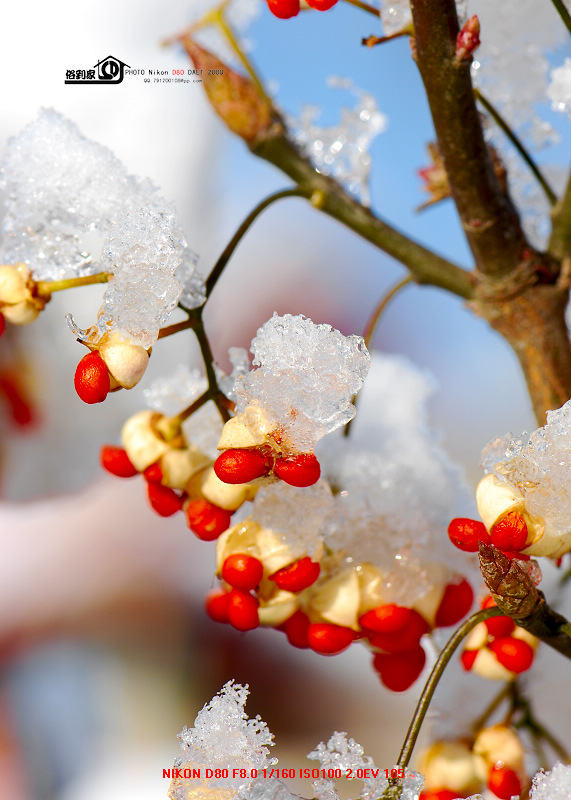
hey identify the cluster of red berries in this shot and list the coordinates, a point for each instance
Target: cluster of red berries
(502, 782)
(284, 9)
(392, 631)
(246, 465)
(509, 535)
(498, 648)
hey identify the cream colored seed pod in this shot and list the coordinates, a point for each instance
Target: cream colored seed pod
(450, 765)
(486, 665)
(477, 638)
(337, 600)
(428, 604)
(498, 744)
(496, 499)
(179, 465)
(143, 445)
(14, 284)
(228, 496)
(237, 435)
(249, 537)
(126, 362)
(371, 588)
(277, 607)
(181, 788)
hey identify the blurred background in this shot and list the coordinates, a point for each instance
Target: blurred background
(105, 650)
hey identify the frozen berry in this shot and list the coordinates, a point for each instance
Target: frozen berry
(243, 610)
(398, 671)
(514, 654)
(163, 500)
(216, 606)
(404, 639)
(92, 379)
(465, 534)
(2, 324)
(297, 576)
(242, 571)
(510, 533)
(455, 604)
(242, 466)
(329, 639)
(116, 461)
(153, 473)
(284, 9)
(467, 658)
(206, 520)
(321, 5)
(388, 618)
(504, 783)
(301, 470)
(296, 629)
(497, 626)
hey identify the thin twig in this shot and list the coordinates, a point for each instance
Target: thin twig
(517, 143)
(46, 288)
(364, 7)
(376, 315)
(243, 229)
(563, 13)
(502, 695)
(207, 357)
(169, 330)
(434, 677)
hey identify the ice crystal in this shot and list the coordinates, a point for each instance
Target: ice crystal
(395, 16)
(72, 209)
(278, 507)
(342, 150)
(171, 395)
(554, 785)
(305, 378)
(223, 736)
(394, 502)
(540, 466)
(240, 361)
(344, 754)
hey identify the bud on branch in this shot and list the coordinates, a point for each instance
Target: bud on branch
(468, 40)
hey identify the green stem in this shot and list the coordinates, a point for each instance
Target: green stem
(364, 7)
(434, 677)
(44, 288)
(502, 695)
(563, 13)
(213, 390)
(517, 143)
(198, 403)
(243, 229)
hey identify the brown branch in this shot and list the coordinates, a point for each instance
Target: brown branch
(425, 266)
(560, 240)
(515, 594)
(489, 220)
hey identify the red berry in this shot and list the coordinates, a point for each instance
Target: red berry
(455, 604)
(398, 671)
(297, 576)
(388, 618)
(116, 461)
(243, 610)
(2, 324)
(242, 466)
(329, 639)
(497, 626)
(510, 533)
(20, 409)
(514, 654)
(466, 533)
(515, 554)
(163, 500)
(297, 629)
(153, 473)
(441, 794)
(206, 520)
(216, 606)
(467, 658)
(504, 783)
(404, 639)
(284, 9)
(301, 470)
(321, 5)
(242, 571)
(92, 379)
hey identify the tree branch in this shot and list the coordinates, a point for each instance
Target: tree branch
(425, 266)
(560, 240)
(489, 220)
(515, 594)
